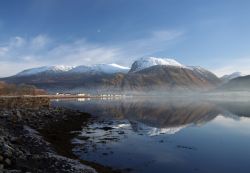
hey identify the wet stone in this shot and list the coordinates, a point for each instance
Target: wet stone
(8, 161)
(1, 158)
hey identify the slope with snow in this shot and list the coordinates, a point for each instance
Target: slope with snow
(101, 68)
(98, 68)
(147, 62)
(33, 71)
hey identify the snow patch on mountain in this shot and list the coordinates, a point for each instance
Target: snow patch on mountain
(147, 62)
(110, 68)
(101, 68)
(33, 71)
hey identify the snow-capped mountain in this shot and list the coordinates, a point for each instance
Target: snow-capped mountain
(146, 74)
(229, 77)
(147, 62)
(98, 68)
(33, 71)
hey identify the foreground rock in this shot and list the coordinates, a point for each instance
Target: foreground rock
(23, 149)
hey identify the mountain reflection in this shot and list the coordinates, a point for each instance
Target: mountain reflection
(153, 113)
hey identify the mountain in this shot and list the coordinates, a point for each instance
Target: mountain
(146, 74)
(98, 68)
(237, 84)
(229, 77)
(169, 77)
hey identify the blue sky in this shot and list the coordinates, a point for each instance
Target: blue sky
(214, 34)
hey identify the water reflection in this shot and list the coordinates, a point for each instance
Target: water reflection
(176, 135)
(155, 113)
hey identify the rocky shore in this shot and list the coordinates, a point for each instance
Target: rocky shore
(22, 147)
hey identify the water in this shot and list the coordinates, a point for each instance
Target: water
(158, 135)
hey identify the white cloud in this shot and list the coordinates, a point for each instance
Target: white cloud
(20, 53)
(3, 51)
(40, 41)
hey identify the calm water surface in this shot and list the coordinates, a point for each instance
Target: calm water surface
(155, 135)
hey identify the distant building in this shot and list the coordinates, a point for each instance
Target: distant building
(81, 94)
(60, 94)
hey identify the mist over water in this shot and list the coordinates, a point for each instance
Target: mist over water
(170, 134)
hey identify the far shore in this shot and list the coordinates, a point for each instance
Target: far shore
(54, 96)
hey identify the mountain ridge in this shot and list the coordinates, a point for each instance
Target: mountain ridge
(148, 74)
(97, 68)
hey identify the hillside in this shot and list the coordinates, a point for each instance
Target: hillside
(237, 84)
(162, 77)
(12, 89)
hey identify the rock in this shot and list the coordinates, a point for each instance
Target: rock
(1, 158)
(21, 144)
(7, 150)
(14, 171)
(8, 161)
(15, 140)
(18, 114)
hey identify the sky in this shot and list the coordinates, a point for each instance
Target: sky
(214, 34)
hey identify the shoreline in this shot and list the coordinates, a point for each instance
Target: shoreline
(25, 144)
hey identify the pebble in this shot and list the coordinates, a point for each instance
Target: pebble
(1, 158)
(18, 114)
(8, 161)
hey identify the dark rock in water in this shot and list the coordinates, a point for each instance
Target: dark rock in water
(185, 147)
(121, 132)
(106, 128)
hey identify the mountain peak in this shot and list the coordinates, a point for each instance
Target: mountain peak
(146, 62)
(231, 76)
